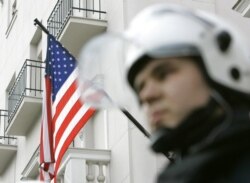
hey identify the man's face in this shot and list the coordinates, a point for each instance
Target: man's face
(170, 89)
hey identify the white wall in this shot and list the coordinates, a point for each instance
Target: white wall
(131, 159)
(14, 49)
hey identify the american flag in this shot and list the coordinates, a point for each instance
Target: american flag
(63, 112)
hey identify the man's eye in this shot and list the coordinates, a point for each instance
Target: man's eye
(139, 88)
(162, 73)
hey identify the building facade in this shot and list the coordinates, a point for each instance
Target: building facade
(109, 148)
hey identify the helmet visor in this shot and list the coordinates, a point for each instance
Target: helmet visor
(102, 72)
(108, 61)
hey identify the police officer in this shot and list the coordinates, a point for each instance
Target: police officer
(191, 73)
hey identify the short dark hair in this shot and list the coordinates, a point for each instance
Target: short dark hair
(137, 67)
(233, 97)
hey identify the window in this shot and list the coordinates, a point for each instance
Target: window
(13, 8)
(36, 45)
(7, 91)
(242, 7)
(12, 14)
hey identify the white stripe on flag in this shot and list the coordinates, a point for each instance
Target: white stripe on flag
(45, 135)
(72, 124)
(68, 106)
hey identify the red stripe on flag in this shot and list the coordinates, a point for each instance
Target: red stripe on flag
(46, 138)
(49, 116)
(67, 121)
(70, 138)
(63, 101)
(46, 122)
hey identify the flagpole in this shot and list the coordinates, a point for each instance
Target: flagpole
(37, 22)
(125, 112)
(168, 155)
(135, 122)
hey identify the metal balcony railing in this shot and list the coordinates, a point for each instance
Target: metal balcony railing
(28, 83)
(3, 119)
(64, 9)
(6, 140)
(31, 170)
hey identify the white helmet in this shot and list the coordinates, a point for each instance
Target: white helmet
(163, 30)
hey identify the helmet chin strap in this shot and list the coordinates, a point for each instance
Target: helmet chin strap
(228, 115)
(165, 139)
(223, 103)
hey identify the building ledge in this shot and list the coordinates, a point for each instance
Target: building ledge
(25, 116)
(31, 170)
(7, 152)
(77, 31)
(90, 155)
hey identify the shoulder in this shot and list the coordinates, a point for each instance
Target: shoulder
(204, 167)
(240, 172)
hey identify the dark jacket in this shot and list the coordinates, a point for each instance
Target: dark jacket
(224, 159)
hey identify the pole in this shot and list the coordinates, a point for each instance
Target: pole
(144, 131)
(37, 22)
(129, 116)
(125, 112)
(135, 122)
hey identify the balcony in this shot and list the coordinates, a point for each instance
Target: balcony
(25, 99)
(78, 165)
(31, 170)
(74, 22)
(85, 165)
(8, 145)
